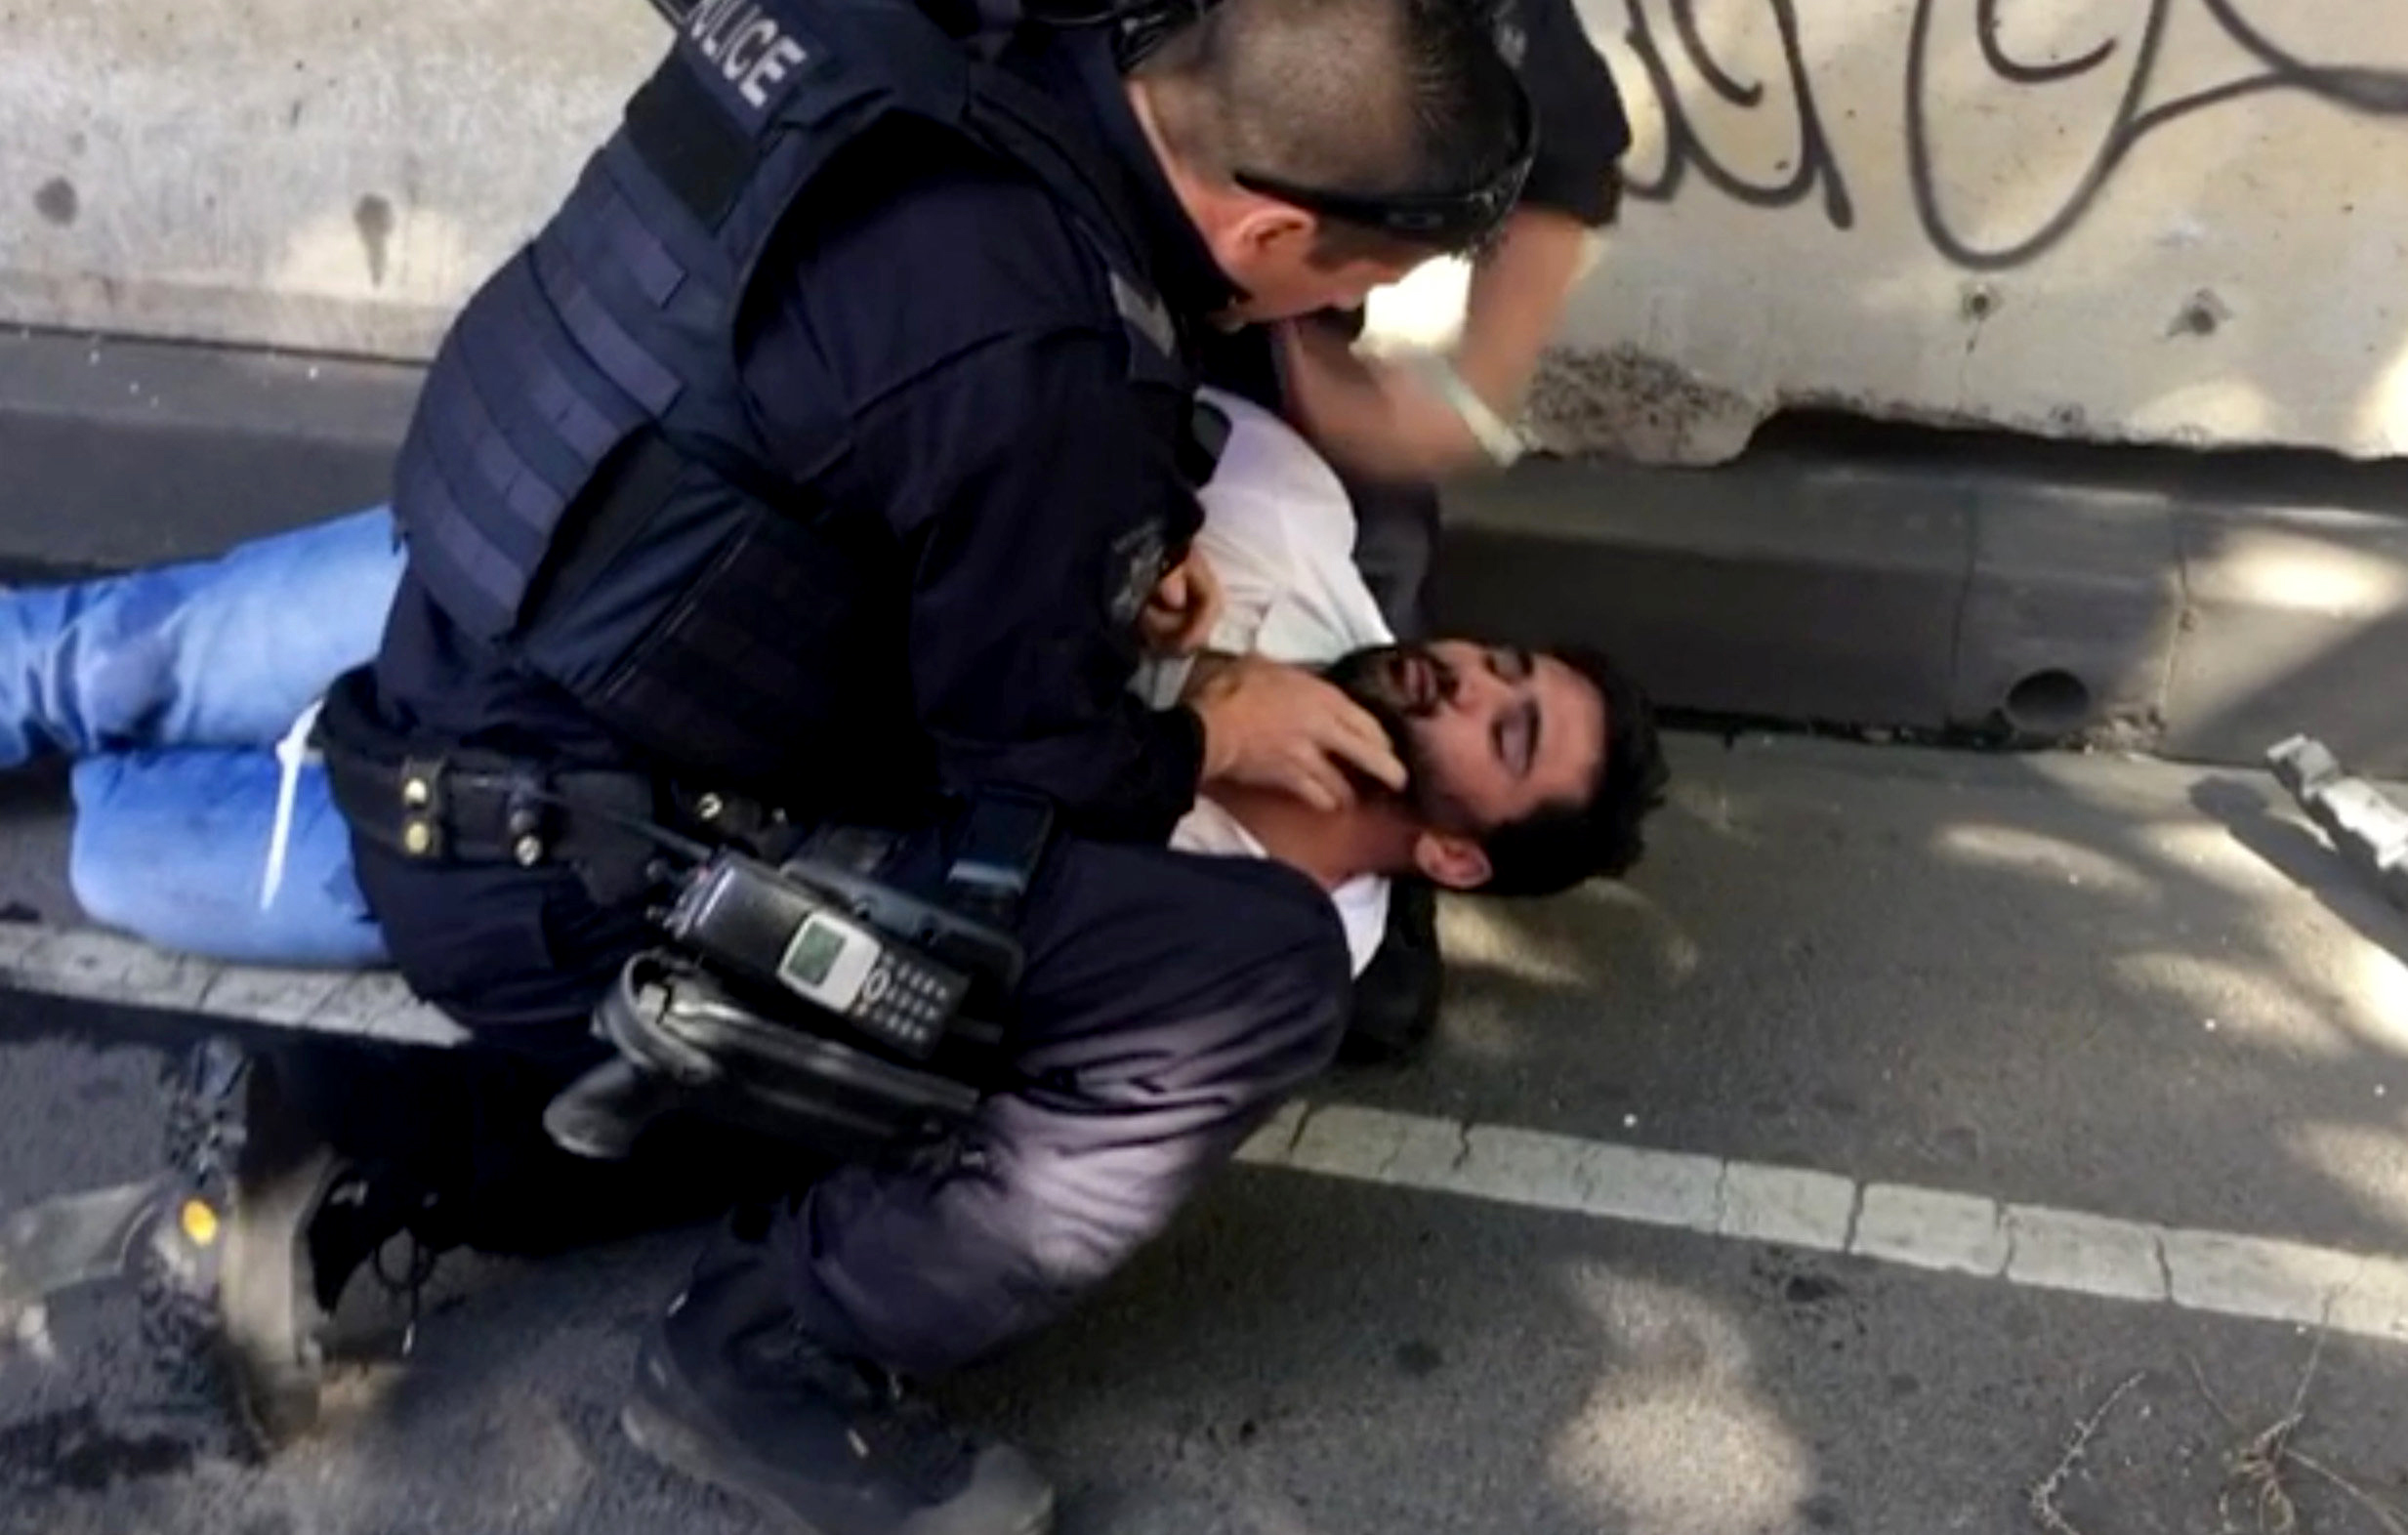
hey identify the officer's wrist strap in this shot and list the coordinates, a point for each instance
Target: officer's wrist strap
(1497, 438)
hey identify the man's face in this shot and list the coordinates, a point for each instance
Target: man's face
(1489, 734)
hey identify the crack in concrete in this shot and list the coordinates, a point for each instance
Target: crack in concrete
(1296, 1137)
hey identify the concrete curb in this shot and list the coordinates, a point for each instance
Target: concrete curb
(2200, 605)
(120, 452)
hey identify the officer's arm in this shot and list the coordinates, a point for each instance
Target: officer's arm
(1519, 289)
(1583, 129)
(1028, 477)
(1517, 300)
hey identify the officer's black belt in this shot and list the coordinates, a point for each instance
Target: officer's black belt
(470, 807)
(452, 803)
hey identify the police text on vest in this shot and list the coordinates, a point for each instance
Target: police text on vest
(748, 46)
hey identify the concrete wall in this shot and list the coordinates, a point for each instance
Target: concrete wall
(331, 175)
(2161, 220)
(2173, 220)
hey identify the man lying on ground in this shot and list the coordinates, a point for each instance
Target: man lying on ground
(201, 826)
(172, 687)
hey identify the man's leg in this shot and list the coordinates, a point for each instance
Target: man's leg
(172, 846)
(216, 653)
(1170, 1003)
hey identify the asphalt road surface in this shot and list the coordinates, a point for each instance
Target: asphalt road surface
(1828, 1177)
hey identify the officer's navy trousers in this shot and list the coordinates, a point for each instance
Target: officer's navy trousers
(1170, 1003)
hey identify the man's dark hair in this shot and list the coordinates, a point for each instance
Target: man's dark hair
(1558, 845)
(1367, 98)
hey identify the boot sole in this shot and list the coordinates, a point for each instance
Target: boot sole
(681, 1449)
(230, 1342)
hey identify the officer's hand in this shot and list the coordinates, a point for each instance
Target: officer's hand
(1376, 418)
(1279, 727)
(1184, 605)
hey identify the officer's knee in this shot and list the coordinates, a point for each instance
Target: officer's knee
(1092, 1201)
(1083, 1217)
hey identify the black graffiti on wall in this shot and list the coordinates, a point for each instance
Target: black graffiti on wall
(2379, 92)
(1816, 166)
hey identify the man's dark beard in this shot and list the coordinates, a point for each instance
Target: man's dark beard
(1358, 673)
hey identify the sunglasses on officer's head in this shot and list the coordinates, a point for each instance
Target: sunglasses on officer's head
(1457, 221)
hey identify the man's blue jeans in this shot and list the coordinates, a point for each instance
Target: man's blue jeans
(169, 689)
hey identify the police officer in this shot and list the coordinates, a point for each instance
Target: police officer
(1396, 430)
(817, 461)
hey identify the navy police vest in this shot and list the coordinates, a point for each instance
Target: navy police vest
(581, 487)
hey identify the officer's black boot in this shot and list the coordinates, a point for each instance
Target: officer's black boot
(1396, 996)
(729, 1391)
(238, 1249)
(270, 1224)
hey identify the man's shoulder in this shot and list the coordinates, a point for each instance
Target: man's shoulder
(1273, 491)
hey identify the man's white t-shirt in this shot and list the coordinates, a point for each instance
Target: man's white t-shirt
(1279, 532)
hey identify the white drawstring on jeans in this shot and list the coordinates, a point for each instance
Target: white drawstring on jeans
(291, 752)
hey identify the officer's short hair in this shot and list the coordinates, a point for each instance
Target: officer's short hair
(1371, 97)
(1557, 846)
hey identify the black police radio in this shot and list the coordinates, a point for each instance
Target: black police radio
(830, 926)
(830, 997)
(767, 925)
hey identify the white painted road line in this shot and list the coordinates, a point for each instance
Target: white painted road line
(1929, 1229)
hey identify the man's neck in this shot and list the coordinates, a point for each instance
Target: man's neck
(1329, 848)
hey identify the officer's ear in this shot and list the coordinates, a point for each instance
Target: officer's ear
(1451, 862)
(1270, 231)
